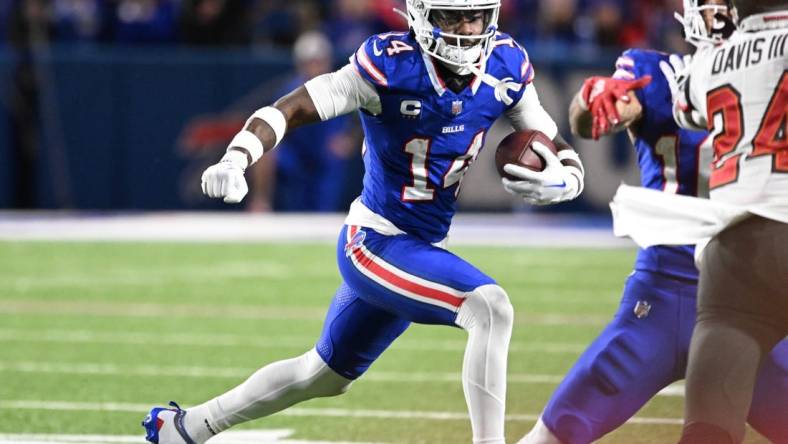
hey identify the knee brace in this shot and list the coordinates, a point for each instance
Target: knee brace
(486, 307)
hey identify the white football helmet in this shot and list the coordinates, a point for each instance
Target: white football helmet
(458, 52)
(695, 31)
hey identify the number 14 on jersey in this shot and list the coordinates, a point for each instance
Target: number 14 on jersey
(420, 189)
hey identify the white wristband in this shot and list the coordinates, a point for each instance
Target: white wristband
(248, 141)
(236, 158)
(274, 118)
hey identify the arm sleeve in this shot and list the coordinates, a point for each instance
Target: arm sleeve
(528, 113)
(342, 92)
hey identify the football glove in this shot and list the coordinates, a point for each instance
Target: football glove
(599, 96)
(226, 178)
(556, 183)
(677, 74)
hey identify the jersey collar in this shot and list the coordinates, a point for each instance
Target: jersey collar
(437, 82)
(435, 78)
(765, 21)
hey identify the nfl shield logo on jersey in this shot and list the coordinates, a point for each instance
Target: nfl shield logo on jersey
(642, 308)
(456, 107)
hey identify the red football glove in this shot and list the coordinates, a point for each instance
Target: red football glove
(599, 96)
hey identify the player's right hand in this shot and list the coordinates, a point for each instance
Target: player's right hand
(226, 178)
(677, 74)
(599, 96)
(556, 183)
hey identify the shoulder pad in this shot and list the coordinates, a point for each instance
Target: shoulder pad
(373, 59)
(514, 57)
(634, 63)
(655, 98)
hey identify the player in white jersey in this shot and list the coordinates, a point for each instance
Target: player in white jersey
(739, 91)
(426, 99)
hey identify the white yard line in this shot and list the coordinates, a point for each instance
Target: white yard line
(206, 311)
(146, 277)
(296, 411)
(468, 229)
(30, 438)
(235, 372)
(278, 436)
(245, 341)
(150, 310)
(675, 390)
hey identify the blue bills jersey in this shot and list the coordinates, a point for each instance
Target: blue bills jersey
(645, 346)
(418, 148)
(669, 157)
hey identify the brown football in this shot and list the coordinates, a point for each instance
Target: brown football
(517, 148)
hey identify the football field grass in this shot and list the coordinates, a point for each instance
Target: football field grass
(92, 334)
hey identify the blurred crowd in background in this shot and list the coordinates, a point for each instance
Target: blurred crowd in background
(320, 167)
(278, 23)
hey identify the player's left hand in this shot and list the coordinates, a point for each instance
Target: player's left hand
(556, 183)
(599, 96)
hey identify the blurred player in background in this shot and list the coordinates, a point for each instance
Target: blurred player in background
(426, 99)
(644, 349)
(312, 170)
(739, 91)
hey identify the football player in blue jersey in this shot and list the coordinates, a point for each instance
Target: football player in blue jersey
(427, 98)
(645, 347)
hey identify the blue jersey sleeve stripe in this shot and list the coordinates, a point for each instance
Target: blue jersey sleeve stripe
(502, 42)
(623, 74)
(625, 63)
(625, 68)
(526, 69)
(527, 73)
(364, 63)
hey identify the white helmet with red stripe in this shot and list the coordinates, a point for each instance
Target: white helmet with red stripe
(458, 52)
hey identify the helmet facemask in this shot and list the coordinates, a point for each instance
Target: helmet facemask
(462, 54)
(695, 30)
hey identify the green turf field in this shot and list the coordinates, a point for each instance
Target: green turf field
(91, 334)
